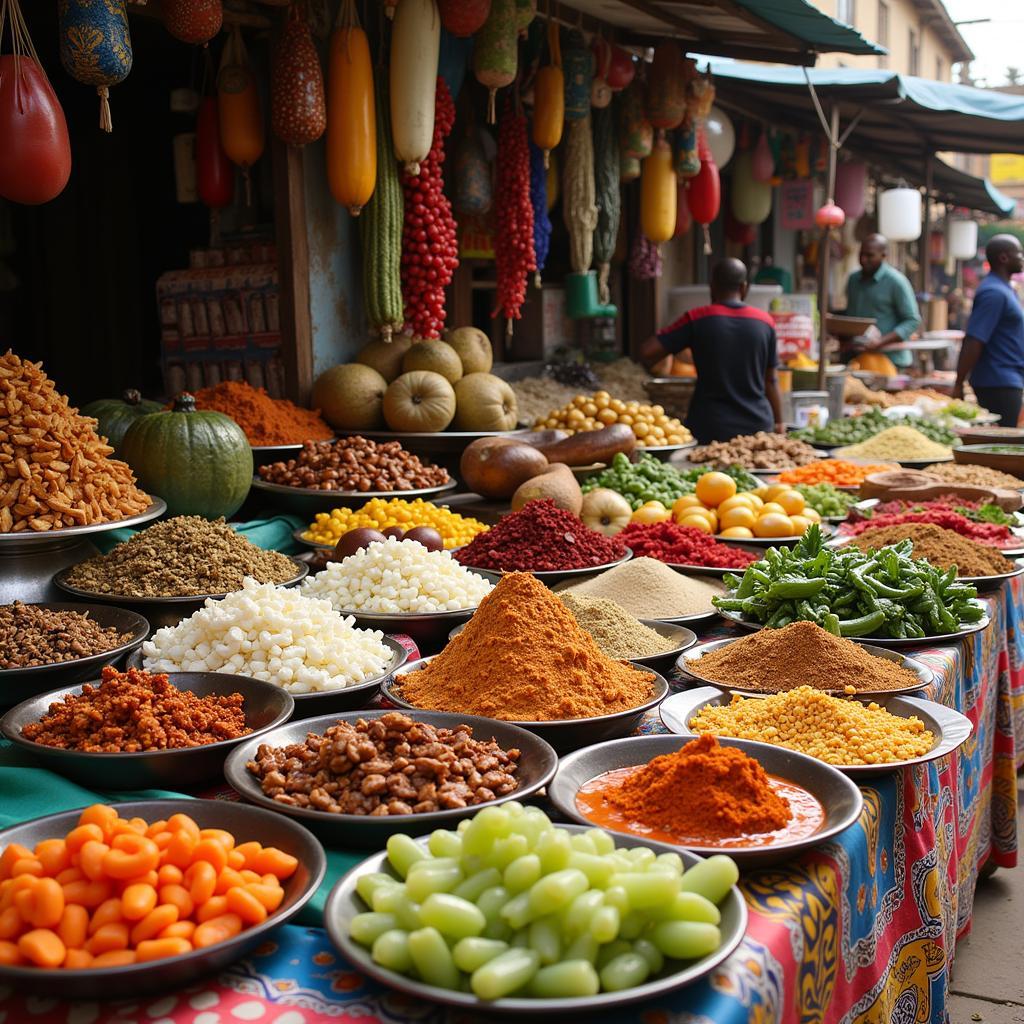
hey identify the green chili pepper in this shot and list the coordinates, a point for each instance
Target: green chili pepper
(789, 587)
(830, 621)
(862, 626)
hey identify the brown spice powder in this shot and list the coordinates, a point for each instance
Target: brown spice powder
(939, 546)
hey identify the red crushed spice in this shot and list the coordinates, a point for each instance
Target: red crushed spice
(540, 537)
(682, 545)
(984, 533)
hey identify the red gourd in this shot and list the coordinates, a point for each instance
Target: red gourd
(704, 196)
(193, 21)
(298, 113)
(464, 18)
(614, 63)
(214, 173)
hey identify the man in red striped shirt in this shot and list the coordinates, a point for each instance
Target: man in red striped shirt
(734, 351)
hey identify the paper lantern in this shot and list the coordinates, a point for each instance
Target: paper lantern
(764, 159)
(720, 135)
(851, 187)
(963, 239)
(899, 214)
(750, 200)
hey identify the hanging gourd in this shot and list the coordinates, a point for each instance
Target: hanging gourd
(763, 166)
(609, 197)
(636, 133)
(578, 66)
(554, 182)
(684, 219)
(687, 161)
(495, 53)
(579, 208)
(96, 47)
(751, 200)
(704, 196)
(415, 53)
(700, 93)
(802, 158)
(193, 21)
(351, 113)
(238, 103)
(629, 168)
(526, 11)
(851, 187)
(35, 156)
(600, 90)
(738, 232)
(464, 18)
(215, 175)
(549, 99)
(389, 8)
(473, 191)
(298, 113)
(614, 63)
(666, 87)
(658, 194)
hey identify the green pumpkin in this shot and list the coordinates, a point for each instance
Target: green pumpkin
(116, 415)
(200, 463)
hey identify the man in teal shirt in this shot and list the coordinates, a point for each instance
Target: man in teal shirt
(881, 292)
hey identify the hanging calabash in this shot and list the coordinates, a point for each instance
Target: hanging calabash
(238, 103)
(704, 196)
(193, 21)
(215, 175)
(763, 164)
(750, 200)
(464, 18)
(298, 112)
(851, 187)
(830, 216)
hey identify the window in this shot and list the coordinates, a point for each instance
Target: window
(940, 70)
(914, 54)
(882, 32)
(846, 11)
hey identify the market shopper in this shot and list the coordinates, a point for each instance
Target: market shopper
(733, 348)
(879, 291)
(992, 355)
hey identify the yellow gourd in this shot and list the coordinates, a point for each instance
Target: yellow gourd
(242, 134)
(351, 114)
(874, 362)
(549, 99)
(658, 194)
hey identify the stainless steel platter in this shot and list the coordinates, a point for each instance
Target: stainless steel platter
(32, 538)
(715, 570)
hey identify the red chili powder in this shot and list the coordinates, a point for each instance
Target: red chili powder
(682, 545)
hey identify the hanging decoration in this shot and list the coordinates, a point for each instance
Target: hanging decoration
(636, 133)
(658, 194)
(579, 207)
(644, 258)
(214, 172)
(96, 47)
(720, 135)
(496, 52)
(738, 232)
(684, 219)
(899, 214)
(666, 87)
(600, 91)
(578, 66)
(963, 239)
(549, 98)
(35, 158)
(351, 113)
(298, 113)
(464, 18)
(802, 158)
(473, 191)
(608, 195)
(704, 196)
(526, 11)
(238, 104)
(389, 9)
(750, 199)
(415, 54)
(541, 220)
(615, 65)
(700, 93)
(629, 169)
(763, 166)
(687, 162)
(193, 21)
(852, 187)
(829, 216)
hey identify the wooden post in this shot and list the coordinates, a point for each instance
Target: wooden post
(926, 219)
(824, 257)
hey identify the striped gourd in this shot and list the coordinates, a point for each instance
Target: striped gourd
(609, 198)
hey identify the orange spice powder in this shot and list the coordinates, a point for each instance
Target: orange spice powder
(265, 420)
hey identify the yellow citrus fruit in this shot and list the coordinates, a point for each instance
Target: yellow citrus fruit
(737, 531)
(698, 523)
(760, 491)
(811, 513)
(800, 524)
(771, 506)
(757, 500)
(791, 501)
(773, 489)
(738, 516)
(714, 488)
(737, 501)
(687, 501)
(653, 512)
(774, 524)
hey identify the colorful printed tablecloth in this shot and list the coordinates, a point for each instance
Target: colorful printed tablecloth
(860, 931)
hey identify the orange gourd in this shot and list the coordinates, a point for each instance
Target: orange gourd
(351, 114)
(242, 133)
(658, 194)
(549, 99)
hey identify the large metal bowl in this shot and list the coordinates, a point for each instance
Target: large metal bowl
(307, 501)
(326, 702)
(266, 707)
(536, 769)
(838, 795)
(570, 733)
(164, 611)
(985, 583)
(264, 454)
(246, 824)
(344, 903)
(18, 684)
(567, 576)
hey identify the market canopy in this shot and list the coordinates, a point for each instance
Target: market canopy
(789, 31)
(951, 185)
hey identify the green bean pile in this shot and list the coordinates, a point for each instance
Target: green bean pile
(854, 429)
(827, 500)
(849, 592)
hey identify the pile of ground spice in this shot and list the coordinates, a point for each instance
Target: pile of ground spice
(186, 556)
(523, 658)
(649, 589)
(682, 545)
(540, 537)
(939, 546)
(984, 533)
(32, 636)
(265, 420)
(800, 654)
(702, 789)
(619, 634)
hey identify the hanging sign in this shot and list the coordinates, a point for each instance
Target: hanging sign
(796, 204)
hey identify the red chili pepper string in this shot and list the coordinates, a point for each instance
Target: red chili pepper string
(430, 250)
(682, 545)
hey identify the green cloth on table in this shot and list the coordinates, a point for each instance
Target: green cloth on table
(28, 792)
(273, 534)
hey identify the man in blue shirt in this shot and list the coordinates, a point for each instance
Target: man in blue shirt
(878, 290)
(992, 355)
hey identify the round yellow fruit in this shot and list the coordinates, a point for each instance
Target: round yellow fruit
(774, 524)
(791, 501)
(738, 516)
(714, 488)
(811, 513)
(737, 531)
(652, 512)
(737, 501)
(757, 500)
(683, 504)
(800, 524)
(772, 489)
(771, 506)
(698, 522)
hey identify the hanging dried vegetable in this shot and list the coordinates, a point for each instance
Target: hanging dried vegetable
(636, 133)
(579, 205)
(578, 66)
(496, 51)
(541, 219)
(464, 18)
(644, 258)
(513, 236)
(238, 103)
(609, 198)
(193, 21)
(415, 57)
(381, 228)
(35, 158)
(430, 251)
(658, 194)
(298, 113)
(215, 176)
(549, 98)
(666, 87)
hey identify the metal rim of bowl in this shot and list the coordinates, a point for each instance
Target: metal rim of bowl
(556, 574)
(566, 803)
(60, 580)
(243, 783)
(259, 484)
(157, 507)
(42, 750)
(659, 684)
(954, 727)
(317, 867)
(139, 633)
(693, 654)
(991, 582)
(827, 532)
(841, 540)
(716, 570)
(360, 957)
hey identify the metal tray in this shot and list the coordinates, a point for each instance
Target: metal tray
(570, 733)
(30, 538)
(163, 611)
(880, 641)
(839, 796)
(266, 707)
(18, 684)
(550, 579)
(950, 727)
(174, 974)
(994, 582)
(714, 570)
(344, 903)
(771, 542)
(536, 769)
(315, 545)
(264, 454)
(358, 695)
(925, 675)
(306, 501)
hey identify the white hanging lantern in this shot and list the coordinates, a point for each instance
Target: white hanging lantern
(899, 214)
(720, 135)
(963, 239)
